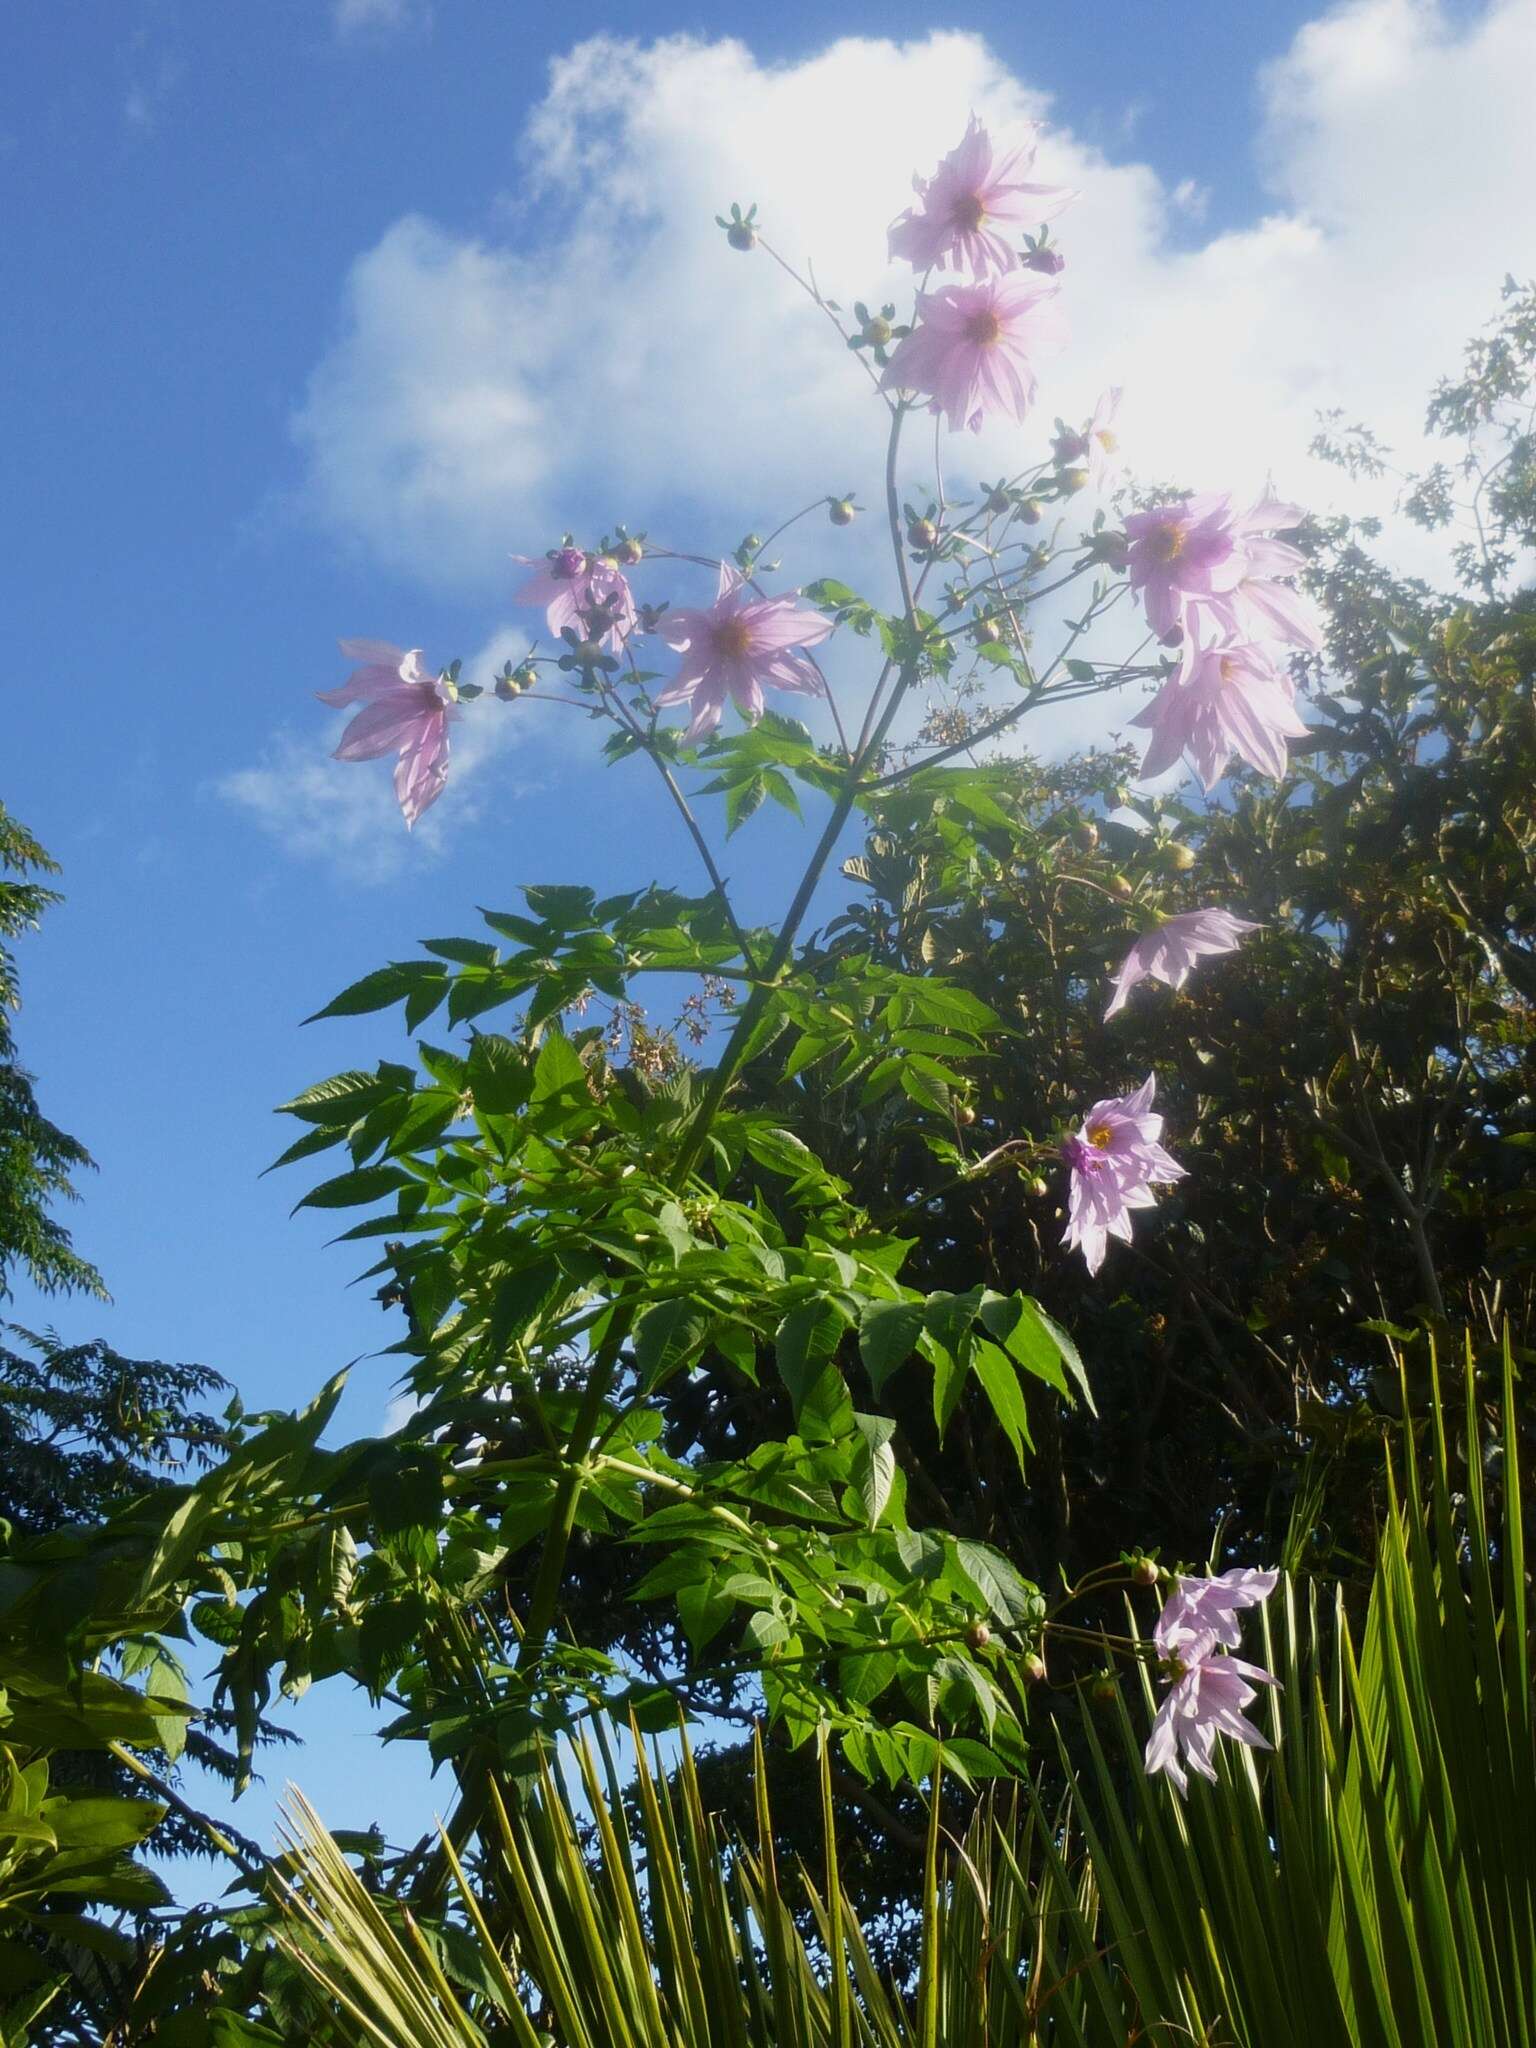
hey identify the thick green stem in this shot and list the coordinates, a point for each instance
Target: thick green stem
(544, 1603)
(870, 742)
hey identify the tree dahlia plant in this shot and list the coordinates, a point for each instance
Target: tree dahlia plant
(596, 1239)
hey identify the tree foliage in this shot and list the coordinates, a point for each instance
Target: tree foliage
(37, 1159)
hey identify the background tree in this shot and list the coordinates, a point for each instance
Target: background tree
(36, 1157)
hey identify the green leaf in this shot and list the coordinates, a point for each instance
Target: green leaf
(667, 1335)
(874, 1465)
(995, 1581)
(888, 1333)
(804, 1343)
(557, 1068)
(999, 1379)
(498, 1074)
(565, 907)
(741, 800)
(348, 1190)
(466, 952)
(375, 991)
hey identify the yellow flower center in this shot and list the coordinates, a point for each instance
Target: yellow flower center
(733, 640)
(1227, 668)
(984, 329)
(1100, 1136)
(1107, 441)
(969, 213)
(1168, 543)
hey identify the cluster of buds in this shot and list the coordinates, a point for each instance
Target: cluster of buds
(516, 682)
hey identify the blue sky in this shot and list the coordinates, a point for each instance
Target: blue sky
(313, 313)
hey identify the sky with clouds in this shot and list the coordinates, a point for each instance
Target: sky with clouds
(318, 310)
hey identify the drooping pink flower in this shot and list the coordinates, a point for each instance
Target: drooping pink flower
(1182, 553)
(1200, 1614)
(408, 709)
(1114, 1157)
(1231, 700)
(569, 583)
(1260, 606)
(1205, 1700)
(1168, 952)
(973, 348)
(735, 646)
(1209, 1690)
(972, 195)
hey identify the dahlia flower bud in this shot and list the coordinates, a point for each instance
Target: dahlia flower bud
(922, 535)
(841, 510)
(629, 552)
(1049, 262)
(876, 331)
(741, 228)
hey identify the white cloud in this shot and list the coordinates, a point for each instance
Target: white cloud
(344, 813)
(480, 395)
(608, 354)
(361, 16)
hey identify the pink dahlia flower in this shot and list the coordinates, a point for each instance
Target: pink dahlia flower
(1260, 606)
(1208, 1691)
(1168, 953)
(1181, 554)
(973, 347)
(973, 195)
(568, 583)
(1113, 1159)
(741, 642)
(1199, 1614)
(407, 713)
(1205, 1700)
(1196, 558)
(1232, 700)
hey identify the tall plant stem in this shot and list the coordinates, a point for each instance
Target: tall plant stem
(871, 739)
